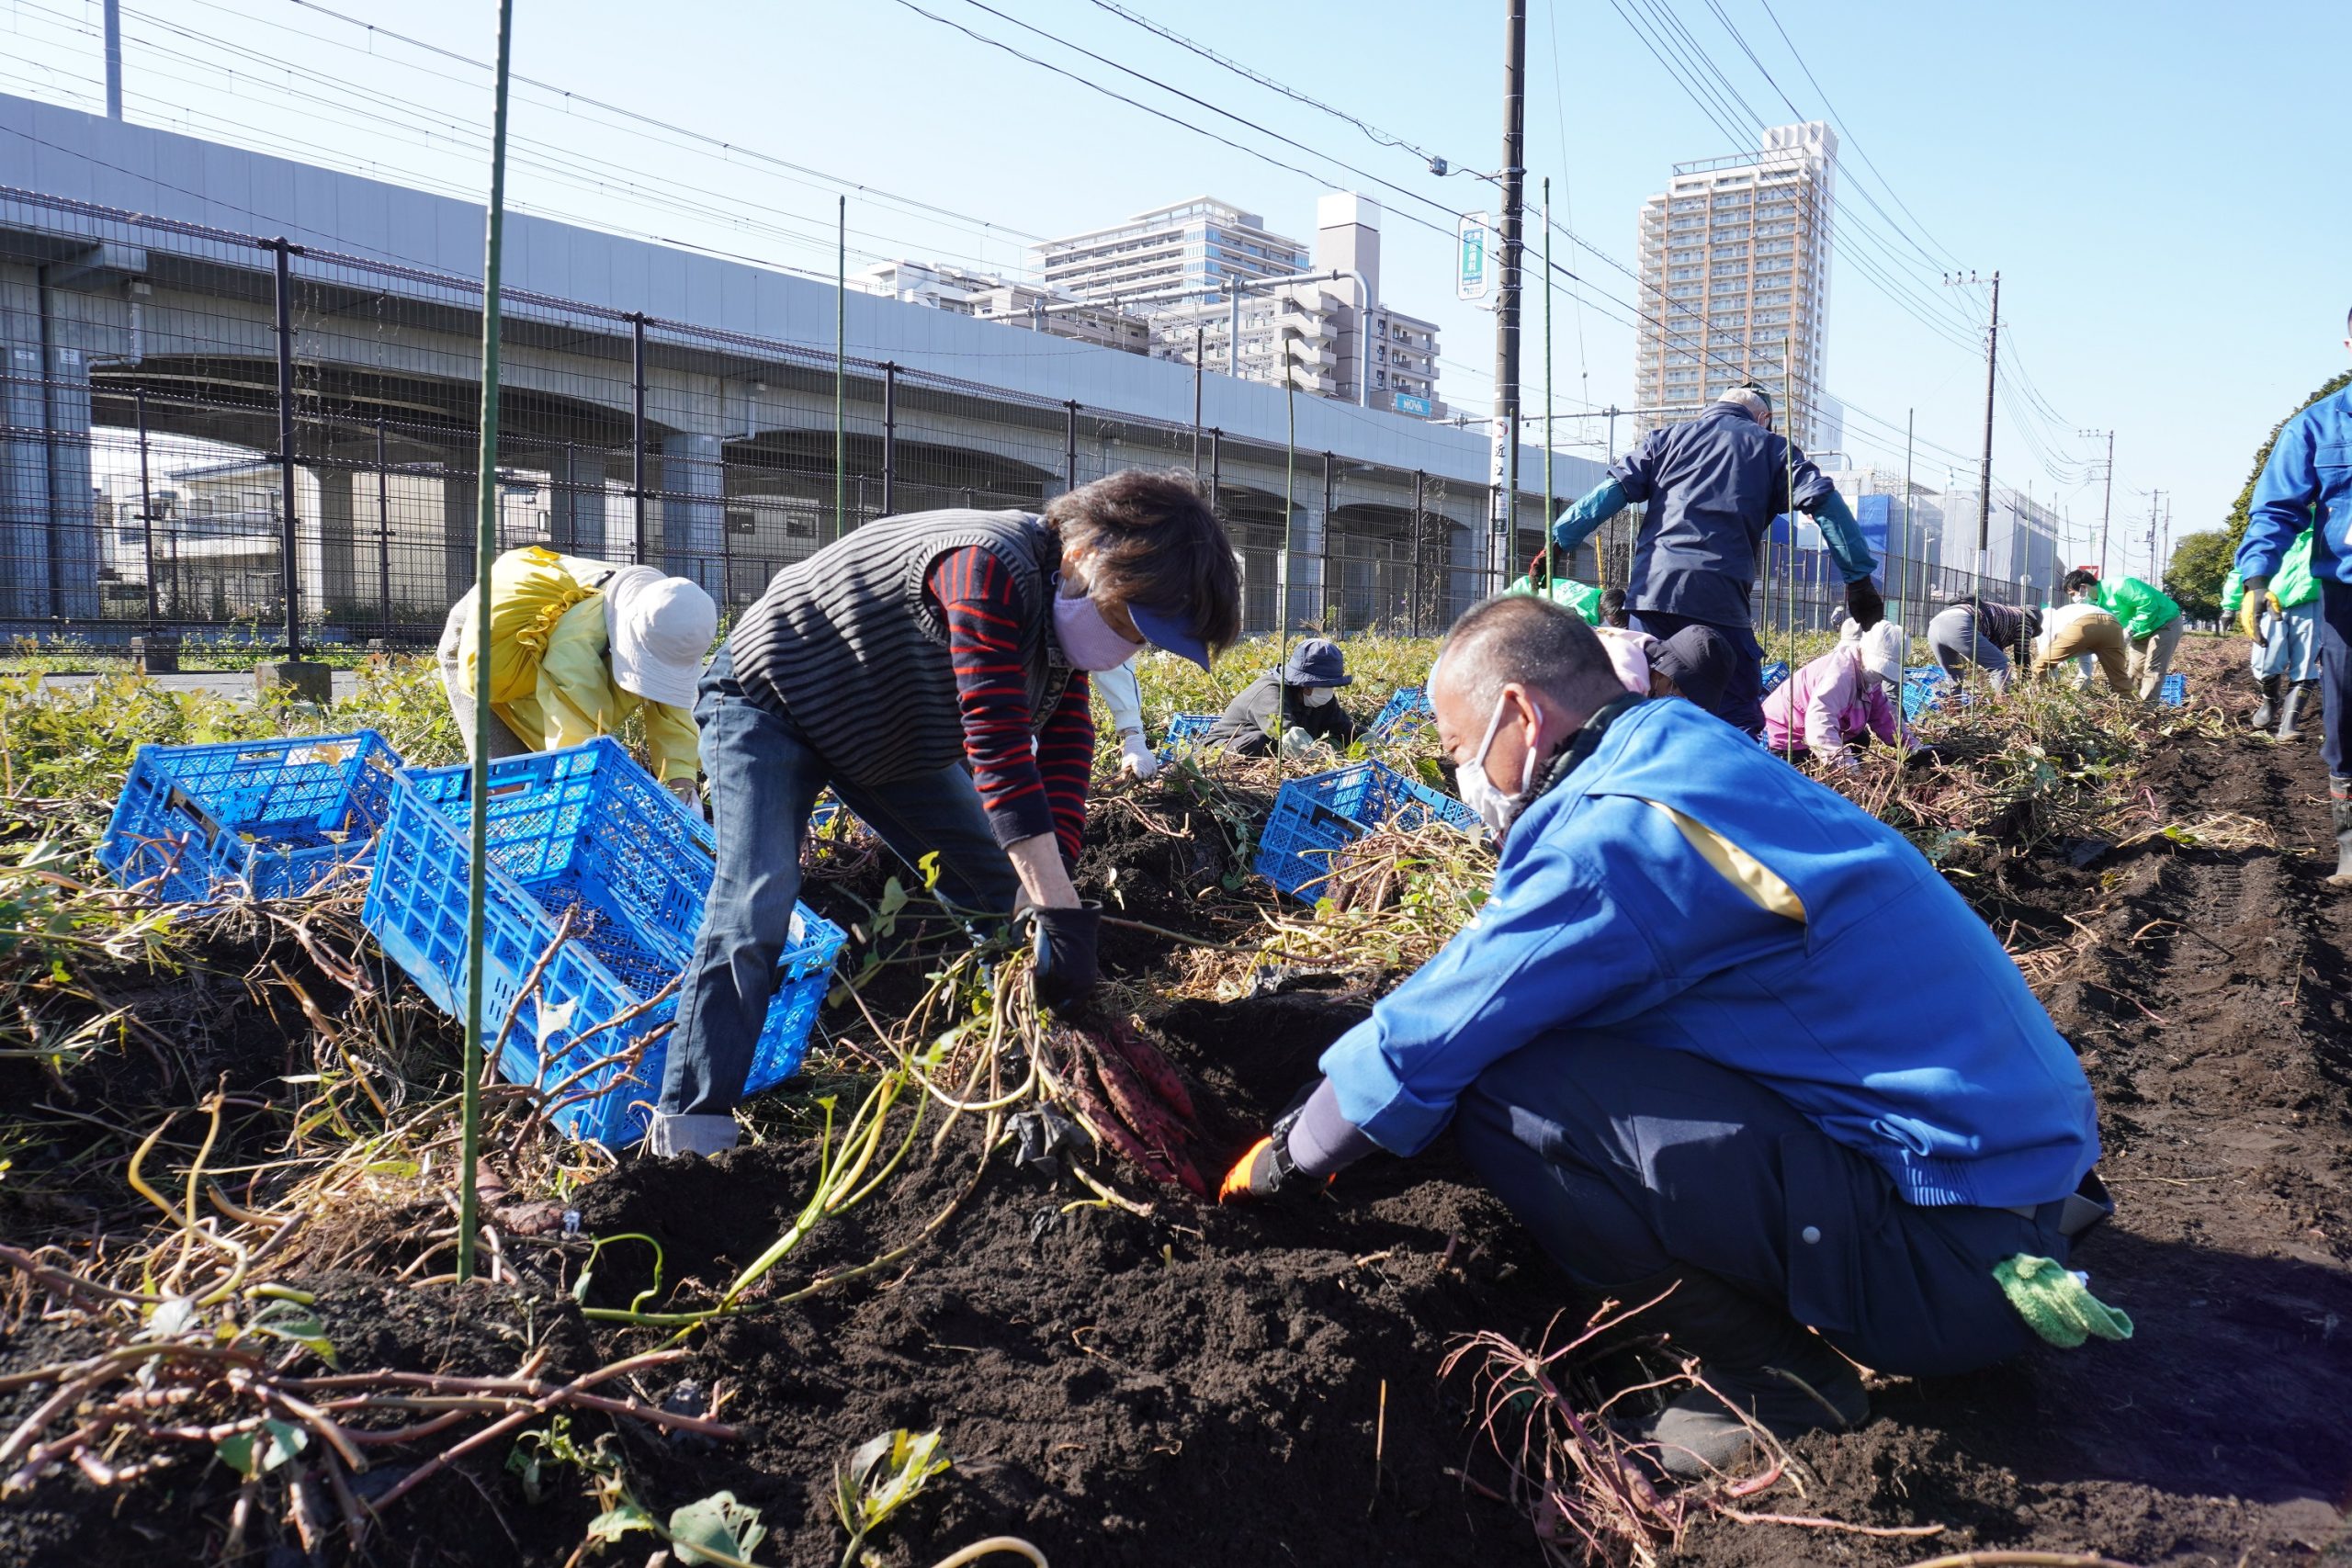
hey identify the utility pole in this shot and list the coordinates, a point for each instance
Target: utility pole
(2155, 571)
(2106, 506)
(1992, 366)
(1504, 466)
(114, 59)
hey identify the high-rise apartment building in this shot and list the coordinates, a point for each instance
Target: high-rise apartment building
(1193, 247)
(1312, 333)
(1734, 268)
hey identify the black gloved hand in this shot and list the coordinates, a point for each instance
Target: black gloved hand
(1863, 602)
(1067, 966)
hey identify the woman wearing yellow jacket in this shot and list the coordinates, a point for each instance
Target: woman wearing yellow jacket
(574, 646)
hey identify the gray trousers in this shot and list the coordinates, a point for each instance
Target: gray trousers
(504, 742)
(2149, 659)
(1955, 641)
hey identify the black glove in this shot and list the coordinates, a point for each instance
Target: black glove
(1066, 969)
(1862, 603)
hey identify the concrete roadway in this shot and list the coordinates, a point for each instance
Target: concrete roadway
(222, 682)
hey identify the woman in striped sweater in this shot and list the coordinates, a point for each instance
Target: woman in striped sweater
(932, 670)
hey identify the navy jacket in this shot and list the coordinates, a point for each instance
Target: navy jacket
(1877, 1003)
(1713, 485)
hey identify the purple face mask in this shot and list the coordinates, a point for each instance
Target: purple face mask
(1089, 641)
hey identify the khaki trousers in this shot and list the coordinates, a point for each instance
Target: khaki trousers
(2101, 637)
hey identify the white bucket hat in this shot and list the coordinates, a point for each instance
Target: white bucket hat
(659, 628)
(1882, 648)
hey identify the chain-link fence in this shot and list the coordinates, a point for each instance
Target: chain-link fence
(189, 411)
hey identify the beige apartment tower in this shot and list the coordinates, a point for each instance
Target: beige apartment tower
(1734, 265)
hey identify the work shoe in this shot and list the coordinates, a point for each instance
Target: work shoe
(2291, 709)
(1699, 1435)
(2269, 711)
(1761, 1360)
(2339, 802)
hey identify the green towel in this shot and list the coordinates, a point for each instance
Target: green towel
(2055, 1304)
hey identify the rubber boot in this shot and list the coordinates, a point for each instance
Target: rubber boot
(2291, 709)
(2269, 712)
(2339, 803)
(1771, 1368)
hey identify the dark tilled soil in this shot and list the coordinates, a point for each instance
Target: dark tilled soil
(1209, 1386)
(2212, 1016)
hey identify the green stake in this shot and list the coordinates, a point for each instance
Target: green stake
(485, 556)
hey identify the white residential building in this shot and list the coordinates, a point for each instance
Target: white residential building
(1310, 332)
(1734, 270)
(962, 292)
(1191, 247)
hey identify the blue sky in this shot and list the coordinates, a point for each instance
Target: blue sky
(2150, 179)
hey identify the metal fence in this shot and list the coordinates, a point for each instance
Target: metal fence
(188, 411)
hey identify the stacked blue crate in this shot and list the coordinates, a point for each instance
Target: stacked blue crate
(584, 830)
(1316, 818)
(1408, 707)
(1185, 732)
(274, 818)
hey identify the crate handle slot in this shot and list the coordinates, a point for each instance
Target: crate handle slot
(1324, 816)
(179, 800)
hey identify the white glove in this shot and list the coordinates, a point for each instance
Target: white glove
(689, 796)
(1296, 742)
(1135, 755)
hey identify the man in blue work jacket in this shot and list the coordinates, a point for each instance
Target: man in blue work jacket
(1713, 485)
(2307, 483)
(1659, 1043)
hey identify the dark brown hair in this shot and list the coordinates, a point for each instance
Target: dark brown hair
(1154, 541)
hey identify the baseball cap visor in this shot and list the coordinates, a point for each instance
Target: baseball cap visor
(1170, 631)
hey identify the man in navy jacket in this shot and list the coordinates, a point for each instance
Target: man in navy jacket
(2307, 483)
(1670, 1040)
(1713, 485)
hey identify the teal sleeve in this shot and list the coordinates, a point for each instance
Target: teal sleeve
(1576, 525)
(1844, 537)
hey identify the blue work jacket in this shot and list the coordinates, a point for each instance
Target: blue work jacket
(1887, 1014)
(1713, 485)
(2307, 483)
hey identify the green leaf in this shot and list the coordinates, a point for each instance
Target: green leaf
(620, 1519)
(249, 1455)
(297, 1325)
(716, 1524)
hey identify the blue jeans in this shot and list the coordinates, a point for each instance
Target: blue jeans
(1743, 704)
(764, 777)
(1627, 1162)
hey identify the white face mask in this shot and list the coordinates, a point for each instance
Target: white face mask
(1495, 808)
(1317, 695)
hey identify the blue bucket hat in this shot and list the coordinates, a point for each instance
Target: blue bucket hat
(1317, 662)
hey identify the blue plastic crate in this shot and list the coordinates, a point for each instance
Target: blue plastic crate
(2174, 690)
(1923, 688)
(1316, 818)
(275, 818)
(584, 829)
(1408, 707)
(1775, 673)
(1185, 732)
